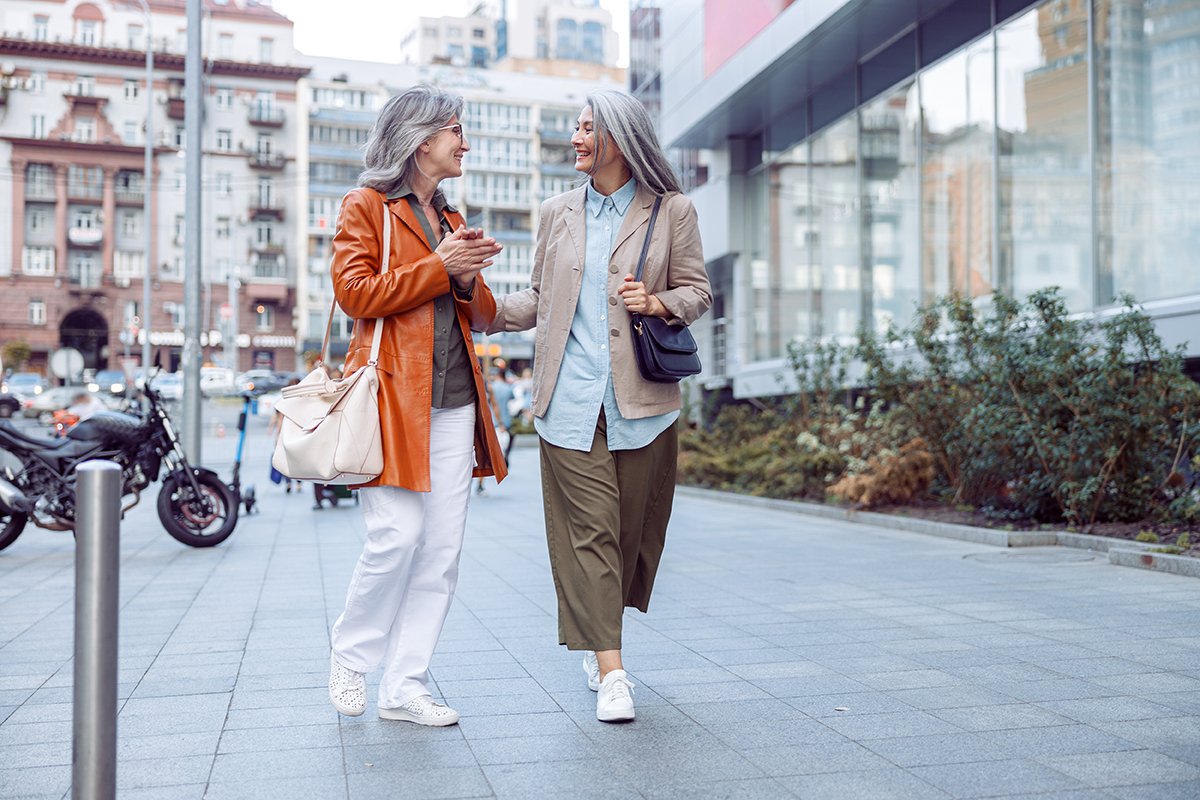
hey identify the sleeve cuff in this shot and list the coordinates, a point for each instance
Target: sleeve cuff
(468, 295)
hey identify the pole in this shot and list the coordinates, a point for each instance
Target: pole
(147, 181)
(97, 570)
(193, 109)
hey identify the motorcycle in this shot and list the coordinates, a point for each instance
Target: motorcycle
(194, 505)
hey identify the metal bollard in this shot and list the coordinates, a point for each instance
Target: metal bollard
(97, 566)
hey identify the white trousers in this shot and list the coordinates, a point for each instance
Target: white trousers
(404, 581)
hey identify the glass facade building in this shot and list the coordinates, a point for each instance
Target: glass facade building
(977, 148)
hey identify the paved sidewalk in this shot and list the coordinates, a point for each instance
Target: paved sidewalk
(783, 656)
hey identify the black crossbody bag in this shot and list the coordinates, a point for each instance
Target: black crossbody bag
(665, 353)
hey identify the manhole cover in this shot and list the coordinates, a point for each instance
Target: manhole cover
(1034, 557)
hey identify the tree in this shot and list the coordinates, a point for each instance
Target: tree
(14, 354)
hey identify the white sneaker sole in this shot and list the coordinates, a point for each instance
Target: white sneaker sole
(401, 715)
(347, 710)
(615, 714)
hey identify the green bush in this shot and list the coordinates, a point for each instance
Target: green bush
(1052, 416)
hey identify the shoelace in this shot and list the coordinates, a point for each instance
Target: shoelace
(427, 707)
(348, 685)
(617, 687)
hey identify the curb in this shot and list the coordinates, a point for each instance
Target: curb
(1120, 552)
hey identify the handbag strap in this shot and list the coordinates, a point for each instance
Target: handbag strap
(387, 257)
(646, 245)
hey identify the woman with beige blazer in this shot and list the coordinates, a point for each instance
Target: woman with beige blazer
(608, 440)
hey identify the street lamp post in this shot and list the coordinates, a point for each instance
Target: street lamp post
(147, 180)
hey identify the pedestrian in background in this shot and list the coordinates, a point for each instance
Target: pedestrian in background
(436, 427)
(608, 440)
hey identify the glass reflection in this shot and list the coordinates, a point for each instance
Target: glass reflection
(957, 101)
(1148, 126)
(890, 244)
(791, 273)
(754, 339)
(837, 286)
(1045, 191)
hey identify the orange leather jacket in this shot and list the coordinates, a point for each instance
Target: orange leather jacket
(404, 297)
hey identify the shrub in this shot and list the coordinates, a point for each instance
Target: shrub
(891, 477)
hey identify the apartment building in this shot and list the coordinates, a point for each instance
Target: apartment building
(72, 138)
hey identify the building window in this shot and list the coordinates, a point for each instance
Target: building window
(39, 126)
(222, 228)
(37, 312)
(133, 37)
(36, 219)
(127, 265)
(37, 82)
(266, 146)
(87, 33)
(84, 270)
(478, 32)
(181, 41)
(225, 46)
(225, 141)
(131, 224)
(39, 181)
(224, 180)
(174, 312)
(224, 98)
(266, 51)
(130, 315)
(85, 182)
(130, 133)
(453, 32)
(180, 181)
(264, 318)
(85, 130)
(131, 90)
(179, 230)
(84, 219)
(84, 86)
(41, 29)
(264, 234)
(37, 261)
(179, 138)
(430, 32)
(322, 212)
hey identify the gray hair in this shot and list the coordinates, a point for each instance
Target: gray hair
(407, 121)
(619, 115)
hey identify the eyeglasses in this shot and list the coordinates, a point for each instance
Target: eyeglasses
(456, 129)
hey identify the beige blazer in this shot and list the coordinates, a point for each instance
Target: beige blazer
(674, 272)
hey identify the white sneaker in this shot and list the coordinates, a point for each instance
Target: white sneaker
(614, 702)
(592, 667)
(347, 689)
(423, 711)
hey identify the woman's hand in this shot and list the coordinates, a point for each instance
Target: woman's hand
(637, 301)
(465, 252)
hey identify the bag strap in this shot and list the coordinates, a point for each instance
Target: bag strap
(387, 257)
(646, 245)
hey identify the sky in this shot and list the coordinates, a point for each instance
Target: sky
(370, 30)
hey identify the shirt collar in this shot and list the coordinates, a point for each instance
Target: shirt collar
(621, 197)
(439, 198)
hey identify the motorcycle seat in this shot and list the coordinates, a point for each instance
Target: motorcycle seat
(40, 443)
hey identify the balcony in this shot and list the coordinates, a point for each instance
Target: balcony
(560, 169)
(554, 135)
(266, 116)
(269, 161)
(175, 107)
(130, 197)
(85, 237)
(262, 209)
(40, 192)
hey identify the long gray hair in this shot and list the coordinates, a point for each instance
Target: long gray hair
(407, 121)
(619, 115)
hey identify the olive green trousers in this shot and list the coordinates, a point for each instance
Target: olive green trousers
(606, 523)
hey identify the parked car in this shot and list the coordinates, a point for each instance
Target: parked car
(9, 404)
(260, 380)
(42, 406)
(216, 381)
(108, 380)
(25, 383)
(169, 385)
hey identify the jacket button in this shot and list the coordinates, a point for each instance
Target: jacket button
(612, 301)
(615, 332)
(613, 269)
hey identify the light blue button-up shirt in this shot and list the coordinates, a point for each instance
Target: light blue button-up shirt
(585, 377)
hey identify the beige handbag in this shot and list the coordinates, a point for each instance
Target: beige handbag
(330, 428)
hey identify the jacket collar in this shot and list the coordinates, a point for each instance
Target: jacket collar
(403, 211)
(637, 216)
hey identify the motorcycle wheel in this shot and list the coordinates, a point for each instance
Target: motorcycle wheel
(201, 521)
(10, 528)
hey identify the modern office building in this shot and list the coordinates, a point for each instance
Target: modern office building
(72, 138)
(869, 156)
(519, 129)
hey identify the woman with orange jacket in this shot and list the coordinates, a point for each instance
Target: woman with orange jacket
(436, 428)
